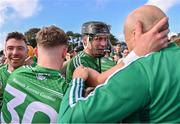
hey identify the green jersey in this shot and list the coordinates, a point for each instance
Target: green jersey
(146, 90)
(1, 65)
(81, 59)
(4, 75)
(107, 63)
(35, 61)
(33, 95)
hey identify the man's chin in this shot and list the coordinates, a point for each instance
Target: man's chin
(99, 55)
(16, 65)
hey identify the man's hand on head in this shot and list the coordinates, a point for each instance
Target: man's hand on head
(153, 40)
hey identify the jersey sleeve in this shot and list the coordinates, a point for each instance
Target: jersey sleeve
(123, 93)
(72, 65)
(69, 71)
(1, 94)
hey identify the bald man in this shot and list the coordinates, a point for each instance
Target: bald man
(145, 90)
(149, 15)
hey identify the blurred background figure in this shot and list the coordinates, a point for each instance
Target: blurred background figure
(116, 57)
(30, 60)
(176, 38)
(125, 52)
(107, 61)
(2, 58)
(118, 50)
(117, 53)
(78, 49)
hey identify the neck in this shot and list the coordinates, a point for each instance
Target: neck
(87, 51)
(50, 60)
(10, 69)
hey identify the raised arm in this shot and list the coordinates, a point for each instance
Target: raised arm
(153, 40)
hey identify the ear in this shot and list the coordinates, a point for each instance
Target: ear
(133, 39)
(84, 40)
(133, 35)
(89, 45)
(36, 51)
(27, 51)
(64, 52)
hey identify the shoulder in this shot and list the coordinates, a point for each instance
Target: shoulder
(23, 70)
(2, 67)
(133, 71)
(145, 65)
(79, 59)
(80, 55)
(4, 71)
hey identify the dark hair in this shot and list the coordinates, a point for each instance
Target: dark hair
(95, 27)
(17, 36)
(78, 48)
(51, 36)
(118, 44)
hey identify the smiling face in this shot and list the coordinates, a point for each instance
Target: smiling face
(15, 52)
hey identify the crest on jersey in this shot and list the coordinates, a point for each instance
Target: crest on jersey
(41, 76)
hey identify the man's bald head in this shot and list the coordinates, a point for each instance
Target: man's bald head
(148, 15)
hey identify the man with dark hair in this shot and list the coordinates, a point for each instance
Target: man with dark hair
(33, 94)
(144, 90)
(95, 37)
(15, 53)
(15, 50)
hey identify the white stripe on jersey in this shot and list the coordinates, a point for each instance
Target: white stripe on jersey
(77, 87)
(77, 60)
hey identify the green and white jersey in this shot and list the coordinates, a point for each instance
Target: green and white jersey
(146, 90)
(33, 95)
(81, 59)
(4, 75)
(1, 65)
(107, 63)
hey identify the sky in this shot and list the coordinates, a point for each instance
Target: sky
(21, 15)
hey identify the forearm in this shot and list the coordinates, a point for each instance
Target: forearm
(130, 58)
(95, 78)
(95, 108)
(104, 75)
